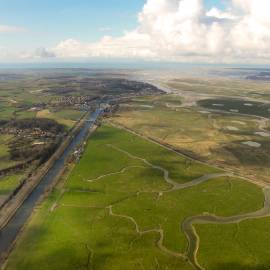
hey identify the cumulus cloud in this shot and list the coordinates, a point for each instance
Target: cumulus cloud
(219, 14)
(184, 30)
(131, 45)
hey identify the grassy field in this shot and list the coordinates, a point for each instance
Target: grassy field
(67, 118)
(9, 183)
(214, 137)
(115, 209)
(25, 114)
(73, 115)
(5, 160)
(245, 246)
(6, 111)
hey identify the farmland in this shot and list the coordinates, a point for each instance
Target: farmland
(123, 205)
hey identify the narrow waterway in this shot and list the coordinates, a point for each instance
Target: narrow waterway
(193, 238)
(9, 233)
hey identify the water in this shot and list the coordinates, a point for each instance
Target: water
(252, 144)
(193, 239)
(10, 232)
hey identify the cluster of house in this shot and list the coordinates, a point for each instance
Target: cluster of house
(33, 133)
(79, 102)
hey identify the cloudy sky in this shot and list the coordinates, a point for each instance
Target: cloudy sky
(210, 31)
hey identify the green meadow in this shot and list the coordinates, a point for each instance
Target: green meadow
(66, 117)
(122, 206)
(244, 246)
(9, 183)
(5, 160)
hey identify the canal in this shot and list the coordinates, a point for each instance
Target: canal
(9, 233)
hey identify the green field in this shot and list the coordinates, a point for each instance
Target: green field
(5, 160)
(6, 111)
(67, 118)
(245, 245)
(73, 115)
(115, 209)
(9, 183)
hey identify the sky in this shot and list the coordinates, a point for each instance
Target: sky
(210, 31)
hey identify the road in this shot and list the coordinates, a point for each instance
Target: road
(9, 233)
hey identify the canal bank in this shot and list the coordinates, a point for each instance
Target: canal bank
(13, 225)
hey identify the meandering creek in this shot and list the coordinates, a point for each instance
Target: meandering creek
(193, 239)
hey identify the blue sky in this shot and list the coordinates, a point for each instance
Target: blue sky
(49, 21)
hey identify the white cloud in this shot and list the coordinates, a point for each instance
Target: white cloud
(131, 45)
(219, 14)
(184, 30)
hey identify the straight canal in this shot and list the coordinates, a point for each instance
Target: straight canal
(9, 233)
